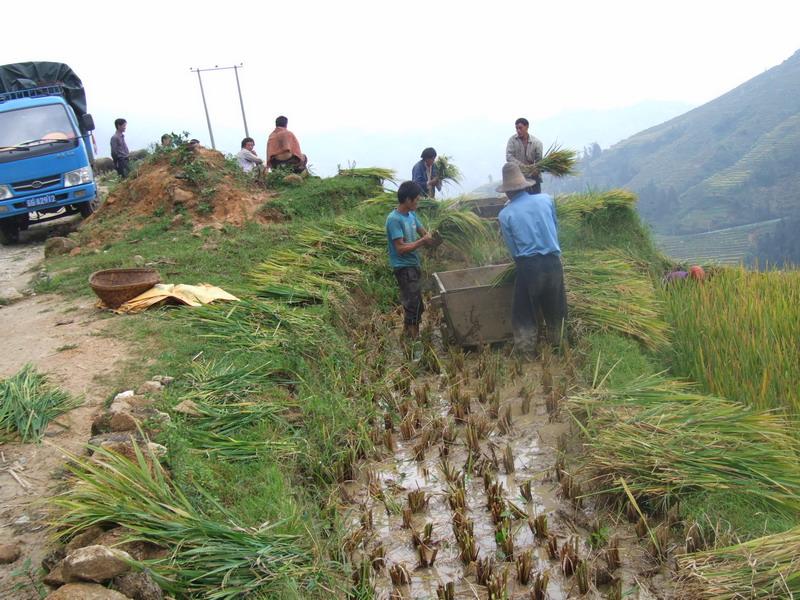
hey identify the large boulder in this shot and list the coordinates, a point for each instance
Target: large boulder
(103, 165)
(85, 591)
(95, 563)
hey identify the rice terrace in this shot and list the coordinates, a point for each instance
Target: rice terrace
(288, 445)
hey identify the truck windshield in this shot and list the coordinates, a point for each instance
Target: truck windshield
(37, 127)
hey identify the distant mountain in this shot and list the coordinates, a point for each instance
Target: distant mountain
(732, 161)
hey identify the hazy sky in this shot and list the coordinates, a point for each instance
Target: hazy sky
(352, 69)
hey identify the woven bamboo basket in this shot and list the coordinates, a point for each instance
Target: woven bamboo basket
(116, 286)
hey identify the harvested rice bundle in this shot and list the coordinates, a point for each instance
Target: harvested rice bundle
(556, 162)
(446, 170)
(458, 226)
(213, 557)
(376, 173)
(577, 206)
(665, 439)
(766, 567)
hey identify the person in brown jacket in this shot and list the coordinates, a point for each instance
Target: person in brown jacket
(283, 149)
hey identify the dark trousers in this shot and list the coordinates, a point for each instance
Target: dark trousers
(410, 281)
(538, 289)
(295, 163)
(121, 165)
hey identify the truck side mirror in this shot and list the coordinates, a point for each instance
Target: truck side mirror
(87, 122)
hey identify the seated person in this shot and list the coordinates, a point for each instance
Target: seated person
(247, 157)
(283, 149)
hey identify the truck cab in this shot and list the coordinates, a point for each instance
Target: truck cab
(45, 159)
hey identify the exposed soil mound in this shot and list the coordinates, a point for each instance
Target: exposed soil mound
(199, 184)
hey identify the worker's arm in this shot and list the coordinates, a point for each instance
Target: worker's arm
(510, 152)
(406, 247)
(251, 156)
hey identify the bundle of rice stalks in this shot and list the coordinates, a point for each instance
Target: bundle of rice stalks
(558, 162)
(302, 278)
(377, 173)
(223, 447)
(666, 440)
(230, 398)
(606, 292)
(766, 567)
(210, 557)
(577, 206)
(446, 170)
(253, 324)
(28, 403)
(459, 226)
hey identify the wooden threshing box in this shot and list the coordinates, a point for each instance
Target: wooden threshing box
(486, 208)
(475, 312)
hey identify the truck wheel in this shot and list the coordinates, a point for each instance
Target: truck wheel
(87, 208)
(9, 231)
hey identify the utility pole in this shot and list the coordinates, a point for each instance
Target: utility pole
(238, 89)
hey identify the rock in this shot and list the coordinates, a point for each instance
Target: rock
(121, 405)
(138, 549)
(138, 260)
(177, 220)
(124, 395)
(157, 450)
(85, 591)
(9, 553)
(58, 245)
(180, 196)
(53, 558)
(149, 387)
(293, 179)
(113, 438)
(84, 538)
(164, 380)
(124, 449)
(187, 407)
(23, 520)
(123, 421)
(95, 563)
(161, 417)
(75, 251)
(101, 424)
(55, 578)
(138, 586)
(10, 294)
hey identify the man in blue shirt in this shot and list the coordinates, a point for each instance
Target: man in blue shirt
(530, 228)
(404, 234)
(424, 173)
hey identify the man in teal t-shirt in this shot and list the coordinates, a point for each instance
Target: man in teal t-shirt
(404, 234)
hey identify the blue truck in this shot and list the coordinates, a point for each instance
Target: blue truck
(45, 150)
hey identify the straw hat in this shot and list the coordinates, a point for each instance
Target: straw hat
(513, 179)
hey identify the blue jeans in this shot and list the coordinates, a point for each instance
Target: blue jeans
(538, 290)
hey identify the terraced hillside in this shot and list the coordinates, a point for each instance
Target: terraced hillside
(728, 246)
(730, 162)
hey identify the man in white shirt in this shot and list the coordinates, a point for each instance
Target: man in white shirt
(247, 157)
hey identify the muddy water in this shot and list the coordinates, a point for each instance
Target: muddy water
(375, 501)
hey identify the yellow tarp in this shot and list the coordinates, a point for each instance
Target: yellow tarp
(179, 293)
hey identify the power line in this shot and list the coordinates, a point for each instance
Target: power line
(203, 95)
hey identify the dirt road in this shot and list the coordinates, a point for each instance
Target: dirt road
(66, 340)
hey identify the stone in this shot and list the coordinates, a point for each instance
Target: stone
(85, 591)
(95, 563)
(160, 417)
(53, 558)
(58, 245)
(181, 196)
(101, 424)
(177, 220)
(84, 538)
(123, 421)
(124, 395)
(138, 549)
(75, 251)
(121, 405)
(149, 387)
(138, 260)
(157, 450)
(138, 586)
(10, 294)
(9, 553)
(164, 380)
(55, 578)
(187, 407)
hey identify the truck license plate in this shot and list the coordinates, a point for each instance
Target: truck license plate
(41, 200)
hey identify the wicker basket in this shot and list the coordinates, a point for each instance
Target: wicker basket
(116, 286)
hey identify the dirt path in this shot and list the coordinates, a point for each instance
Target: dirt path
(67, 341)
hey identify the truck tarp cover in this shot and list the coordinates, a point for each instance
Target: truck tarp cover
(21, 76)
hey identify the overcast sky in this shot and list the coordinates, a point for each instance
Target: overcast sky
(352, 69)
